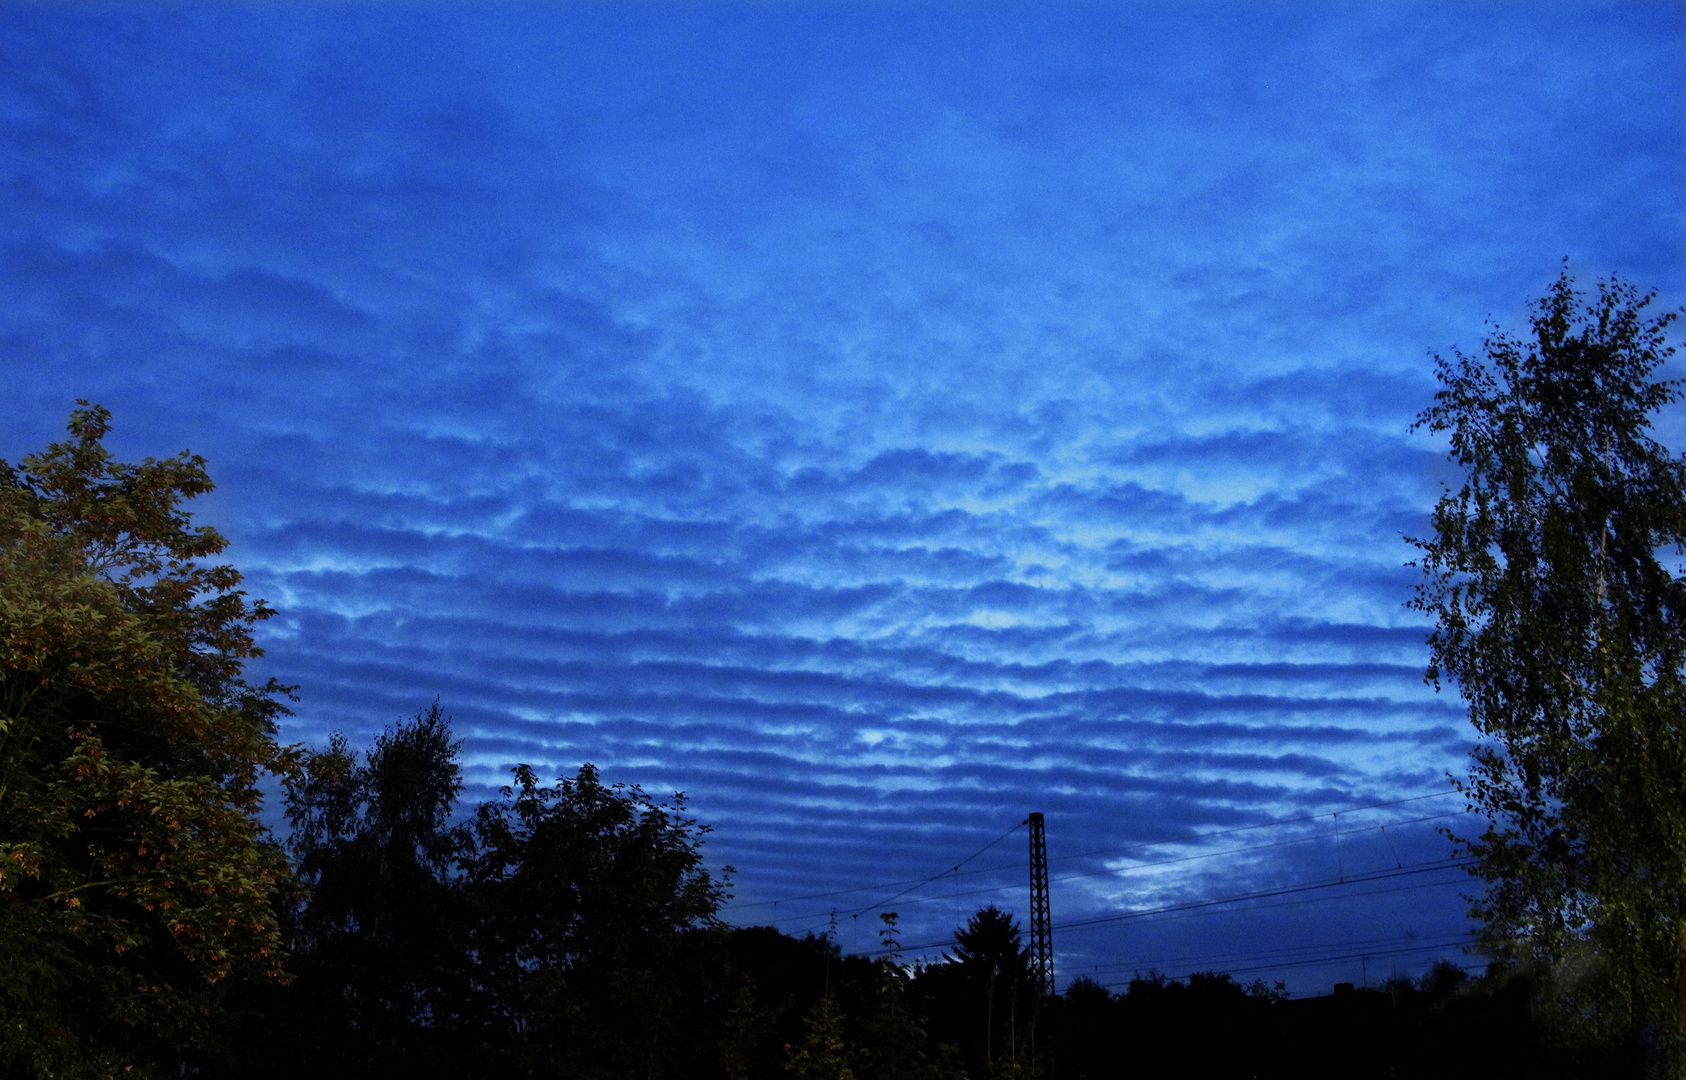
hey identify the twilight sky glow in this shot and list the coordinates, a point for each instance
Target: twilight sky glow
(877, 421)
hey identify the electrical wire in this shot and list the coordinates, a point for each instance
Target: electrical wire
(944, 873)
(1195, 905)
(1312, 900)
(1285, 952)
(1207, 911)
(1197, 838)
(1380, 875)
(1117, 871)
(1322, 960)
(1201, 912)
(1262, 825)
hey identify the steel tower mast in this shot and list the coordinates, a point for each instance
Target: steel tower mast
(1041, 938)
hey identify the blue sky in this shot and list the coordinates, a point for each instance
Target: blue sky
(876, 421)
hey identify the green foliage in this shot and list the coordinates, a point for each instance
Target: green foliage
(134, 876)
(745, 1029)
(1566, 633)
(825, 1051)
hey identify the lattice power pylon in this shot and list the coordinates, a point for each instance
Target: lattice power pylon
(1041, 938)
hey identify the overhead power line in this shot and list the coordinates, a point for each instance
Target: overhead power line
(809, 916)
(1369, 954)
(942, 873)
(1296, 901)
(1212, 902)
(910, 884)
(1118, 871)
(1190, 905)
(1314, 899)
(1284, 953)
(1262, 825)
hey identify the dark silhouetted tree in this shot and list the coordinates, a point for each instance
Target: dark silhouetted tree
(783, 978)
(984, 999)
(1083, 1030)
(892, 1043)
(597, 932)
(381, 941)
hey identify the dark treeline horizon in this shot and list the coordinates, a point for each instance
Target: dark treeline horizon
(572, 930)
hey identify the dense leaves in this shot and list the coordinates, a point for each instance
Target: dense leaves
(134, 876)
(1565, 631)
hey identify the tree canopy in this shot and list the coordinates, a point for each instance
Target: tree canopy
(134, 874)
(1559, 621)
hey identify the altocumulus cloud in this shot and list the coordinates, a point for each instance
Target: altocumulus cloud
(878, 423)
